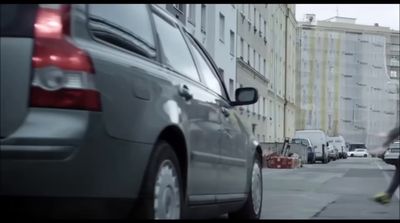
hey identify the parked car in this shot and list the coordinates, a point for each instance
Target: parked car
(310, 148)
(318, 139)
(354, 146)
(340, 144)
(116, 110)
(358, 153)
(392, 154)
(333, 151)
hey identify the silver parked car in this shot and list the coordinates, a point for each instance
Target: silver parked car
(117, 111)
(392, 154)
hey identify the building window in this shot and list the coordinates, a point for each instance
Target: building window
(192, 14)
(265, 28)
(203, 18)
(255, 17)
(264, 68)
(263, 105)
(248, 53)
(249, 11)
(231, 86)
(254, 58)
(232, 47)
(241, 53)
(259, 22)
(259, 63)
(221, 27)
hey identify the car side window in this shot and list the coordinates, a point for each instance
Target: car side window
(205, 69)
(176, 52)
(127, 26)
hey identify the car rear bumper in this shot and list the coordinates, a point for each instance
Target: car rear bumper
(70, 157)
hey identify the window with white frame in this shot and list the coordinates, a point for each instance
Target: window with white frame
(255, 17)
(248, 53)
(263, 105)
(264, 68)
(232, 43)
(265, 28)
(241, 53)
(249, 12)
(254, 58)
(221, 27)
(192, 14)
(203, 18)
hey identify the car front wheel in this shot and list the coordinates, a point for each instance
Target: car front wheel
(252, 207)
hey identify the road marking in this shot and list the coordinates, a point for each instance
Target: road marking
(388, 179)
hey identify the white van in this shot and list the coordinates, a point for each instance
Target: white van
(339, 142)
(317, 138)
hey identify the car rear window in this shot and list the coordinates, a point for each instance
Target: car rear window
(395, 150)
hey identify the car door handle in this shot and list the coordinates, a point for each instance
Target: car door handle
(184, 91)
(225, 111)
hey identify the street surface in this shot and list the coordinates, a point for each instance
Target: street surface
(341, 189)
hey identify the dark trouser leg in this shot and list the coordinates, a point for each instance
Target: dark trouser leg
(395, 182)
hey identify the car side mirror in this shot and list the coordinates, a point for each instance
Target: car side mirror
(245, 96)
(315, 147)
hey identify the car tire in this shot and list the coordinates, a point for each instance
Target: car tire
(252, 208)
(163, 176)
(365, 155)
(351, 155)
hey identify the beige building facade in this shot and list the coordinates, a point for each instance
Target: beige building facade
(266, 36)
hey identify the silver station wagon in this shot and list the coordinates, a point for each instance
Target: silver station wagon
(115, 111)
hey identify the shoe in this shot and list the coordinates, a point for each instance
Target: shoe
(382, 198)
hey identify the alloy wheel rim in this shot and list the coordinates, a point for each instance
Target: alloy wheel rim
(256, 188)
(166, 193)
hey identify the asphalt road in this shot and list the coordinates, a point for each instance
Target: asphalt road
(341, 189)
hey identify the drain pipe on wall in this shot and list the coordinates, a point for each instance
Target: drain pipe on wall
(286, 60)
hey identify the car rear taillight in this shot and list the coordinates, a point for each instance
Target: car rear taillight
(63, 74)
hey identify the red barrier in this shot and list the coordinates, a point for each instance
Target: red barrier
(281, 162)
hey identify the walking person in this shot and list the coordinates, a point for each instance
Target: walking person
(385, 197)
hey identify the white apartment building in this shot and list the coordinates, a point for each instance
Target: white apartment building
(345, 87)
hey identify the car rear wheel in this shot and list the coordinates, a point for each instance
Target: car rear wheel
(365, 155)
(252, 207)
(162, 195)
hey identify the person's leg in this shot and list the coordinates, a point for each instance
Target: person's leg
(385, 197)
(395, 182)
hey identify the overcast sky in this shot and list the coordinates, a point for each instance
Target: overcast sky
(366, 14)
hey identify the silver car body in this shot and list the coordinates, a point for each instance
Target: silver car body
(67, 153)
